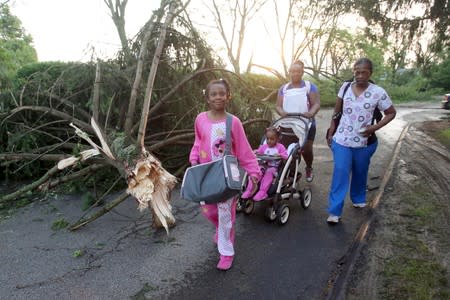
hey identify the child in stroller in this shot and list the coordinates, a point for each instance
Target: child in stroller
(271, 148)
(293, 131)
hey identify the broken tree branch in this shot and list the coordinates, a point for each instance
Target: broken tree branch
(99, 213)
(152, 75)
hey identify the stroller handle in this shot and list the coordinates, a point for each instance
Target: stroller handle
(297, 115)
(268, 157)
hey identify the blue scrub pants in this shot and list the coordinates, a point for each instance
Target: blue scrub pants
(349, 160)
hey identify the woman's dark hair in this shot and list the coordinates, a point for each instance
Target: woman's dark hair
(222, 81)
(364, 61)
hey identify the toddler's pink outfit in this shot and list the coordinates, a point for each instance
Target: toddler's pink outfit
(269, 173)
(209, 145)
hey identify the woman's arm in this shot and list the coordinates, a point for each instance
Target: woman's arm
(336, 114)
(279, 106)
(314, 101)
(389, 115)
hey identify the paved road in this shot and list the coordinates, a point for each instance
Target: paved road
(123, 258)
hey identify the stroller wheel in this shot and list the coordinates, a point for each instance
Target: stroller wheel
(270, 214)
(283, 214)
(249, 205)
(306, 198)
(239, 205)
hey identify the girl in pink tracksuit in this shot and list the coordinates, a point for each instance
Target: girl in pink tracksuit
(272, 147)
(209, 145)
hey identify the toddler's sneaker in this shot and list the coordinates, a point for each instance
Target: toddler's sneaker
(332, 219)
(359, 205)
(260, 196)
(246, 195)
(225, 262)
(309, 176)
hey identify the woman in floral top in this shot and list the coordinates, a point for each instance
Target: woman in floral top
(351, 144)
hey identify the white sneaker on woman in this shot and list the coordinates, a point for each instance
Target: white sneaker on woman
(332, 219)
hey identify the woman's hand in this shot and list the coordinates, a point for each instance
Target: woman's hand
(367, 131)
(329, 133)
(308, 115)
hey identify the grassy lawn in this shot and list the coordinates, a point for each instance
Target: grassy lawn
(415, 270)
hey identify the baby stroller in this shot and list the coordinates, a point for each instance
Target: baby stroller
(285, 186)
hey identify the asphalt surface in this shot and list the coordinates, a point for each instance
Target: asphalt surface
(120, 257)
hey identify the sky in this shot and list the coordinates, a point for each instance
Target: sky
(79, 30)
(72, 30)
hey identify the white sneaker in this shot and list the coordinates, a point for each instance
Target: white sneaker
(359, 205)
(309, 174)
(333, 219)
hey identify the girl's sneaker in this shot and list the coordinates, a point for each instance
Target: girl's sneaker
(225, 262)
(359, 205)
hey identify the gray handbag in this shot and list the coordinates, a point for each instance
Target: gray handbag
(214, 181)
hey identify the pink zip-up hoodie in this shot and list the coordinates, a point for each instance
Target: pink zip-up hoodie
(209, 143)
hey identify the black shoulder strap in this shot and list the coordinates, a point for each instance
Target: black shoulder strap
(343, 95)
(346, 89)
(228, 125)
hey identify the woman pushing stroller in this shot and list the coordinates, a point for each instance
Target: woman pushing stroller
(301, 96)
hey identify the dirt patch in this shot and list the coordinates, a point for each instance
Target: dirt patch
(406, 251)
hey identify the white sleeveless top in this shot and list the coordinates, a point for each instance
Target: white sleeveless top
(295, 100)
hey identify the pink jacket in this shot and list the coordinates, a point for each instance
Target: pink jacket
(280, 149)
(240, 147)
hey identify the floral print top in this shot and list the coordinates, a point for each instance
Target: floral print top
(357, 113)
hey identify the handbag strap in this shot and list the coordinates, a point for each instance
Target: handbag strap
(228, 125)
(343, 95)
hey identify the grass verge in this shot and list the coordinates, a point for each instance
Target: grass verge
(415, 270)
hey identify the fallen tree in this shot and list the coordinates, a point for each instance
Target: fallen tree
(105, 116)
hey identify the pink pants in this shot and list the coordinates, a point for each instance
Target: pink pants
(266, 180)
(223, 216)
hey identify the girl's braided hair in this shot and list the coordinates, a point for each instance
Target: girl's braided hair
(274, 130)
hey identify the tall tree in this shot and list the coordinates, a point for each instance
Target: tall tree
(117, 10)
(311, 31)
(16, 47)
(239, 13)
(420, 22)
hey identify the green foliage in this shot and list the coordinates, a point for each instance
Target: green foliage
(78, 253)
(328, 92)
(444, 137)
(121, 149)
(254, 97)
(59, 224)
(16, 48)
(440, 75)
(87, 200)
